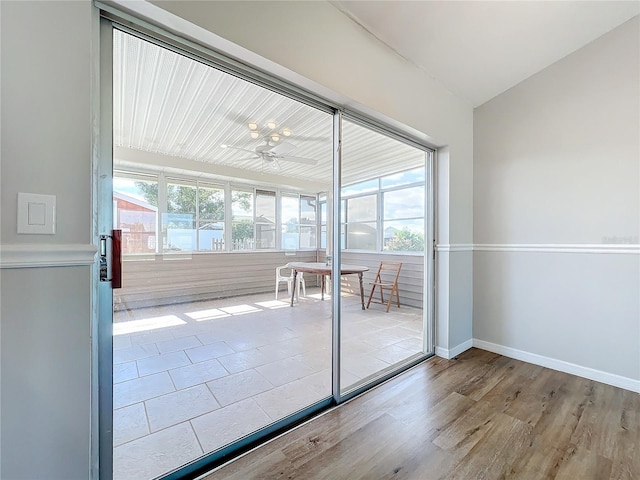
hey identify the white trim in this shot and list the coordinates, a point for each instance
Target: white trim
(619, 248)
(442, 352)
(46, 255)
(459, 247)
(455, 351)
(560, 365)
(624, 248)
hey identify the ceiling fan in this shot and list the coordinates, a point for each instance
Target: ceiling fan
(272, 154)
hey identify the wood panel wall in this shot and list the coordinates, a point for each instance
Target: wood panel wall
(180, 278)
(410, 282)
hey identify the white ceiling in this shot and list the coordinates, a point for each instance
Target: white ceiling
(175, 115)
(479, 49)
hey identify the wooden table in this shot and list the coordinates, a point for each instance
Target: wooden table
(323, 270)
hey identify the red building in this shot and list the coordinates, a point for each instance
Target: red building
(138, 221)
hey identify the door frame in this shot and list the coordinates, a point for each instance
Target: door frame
(103, 221)
(103, 181)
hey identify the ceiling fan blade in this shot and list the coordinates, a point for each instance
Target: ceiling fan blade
(291, 158)
(239, 118)
(283, 148)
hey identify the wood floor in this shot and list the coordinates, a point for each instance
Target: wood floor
(479, 416)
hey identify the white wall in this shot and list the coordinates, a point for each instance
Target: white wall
(557, 161)
(46, 121)
(47, 52)
(45, 313)
(46, 397)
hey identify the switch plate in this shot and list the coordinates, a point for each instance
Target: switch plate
(36, 214)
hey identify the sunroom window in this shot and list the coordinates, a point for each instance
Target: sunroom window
(384, 214)
(299, 217)
(404, 219)
(308, 225)
(361, 226)
(242, 226)
(265, 219)
(135, 203)
(179, 221)
(211, 228)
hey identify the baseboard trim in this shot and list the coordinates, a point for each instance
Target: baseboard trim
(46, 255)
(455, 351)
(560, 365)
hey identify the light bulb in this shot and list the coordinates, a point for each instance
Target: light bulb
(271, 124)
(275, 137)
(223, 146)
(255, 134)
(286, 132)
(253, 126)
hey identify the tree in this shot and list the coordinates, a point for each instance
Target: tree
(149, 191)
(406, 241)
(242, 230)
(181, 199)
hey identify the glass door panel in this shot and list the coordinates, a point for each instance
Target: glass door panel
(383, 217)
(217, 186)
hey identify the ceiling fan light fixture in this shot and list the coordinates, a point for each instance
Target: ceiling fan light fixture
(275, 137)
(271, 125)
(253, 126)
(255, 135)
(286, 132)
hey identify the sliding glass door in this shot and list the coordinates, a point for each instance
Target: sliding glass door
(215, 188)
(276, 256)
(385, 220)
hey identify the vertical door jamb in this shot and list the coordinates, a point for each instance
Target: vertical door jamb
(104, 221)
(429, 292)
(336, 253)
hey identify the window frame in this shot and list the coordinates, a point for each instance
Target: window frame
(380, 219)
(228, 188)
(144, 177)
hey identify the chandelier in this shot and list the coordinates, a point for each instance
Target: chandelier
(270, 130)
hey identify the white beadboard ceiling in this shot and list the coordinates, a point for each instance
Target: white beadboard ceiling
(172, 114)
(479, 49)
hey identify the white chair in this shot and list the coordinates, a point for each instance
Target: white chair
(289, 280)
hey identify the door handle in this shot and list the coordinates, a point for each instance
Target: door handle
(115, 255)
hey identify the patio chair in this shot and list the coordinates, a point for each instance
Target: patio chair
(386, 279)
(289, 280)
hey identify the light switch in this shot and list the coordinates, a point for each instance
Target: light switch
(36, 214)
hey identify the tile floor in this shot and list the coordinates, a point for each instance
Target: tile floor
(191, 378)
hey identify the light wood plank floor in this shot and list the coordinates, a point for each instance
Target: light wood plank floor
(479, 416)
